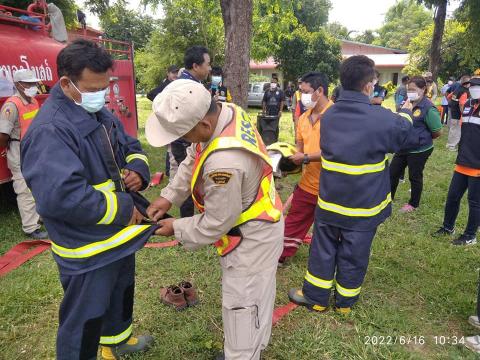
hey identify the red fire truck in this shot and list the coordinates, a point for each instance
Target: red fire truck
(26, 43)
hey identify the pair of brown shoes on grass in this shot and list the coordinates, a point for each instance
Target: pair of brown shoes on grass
(179, 296)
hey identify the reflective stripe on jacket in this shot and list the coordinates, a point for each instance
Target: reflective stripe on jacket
(354, 182)
(64, 164)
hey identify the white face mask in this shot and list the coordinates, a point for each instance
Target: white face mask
(273, 86)
(412, 95)
(31, 91)
(92, 101)
(474, 92)
(306, 100)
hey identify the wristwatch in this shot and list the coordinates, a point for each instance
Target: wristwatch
(306, 159)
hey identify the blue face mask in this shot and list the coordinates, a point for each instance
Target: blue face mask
(92, 101)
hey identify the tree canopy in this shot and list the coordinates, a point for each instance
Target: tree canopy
(320, 52)
(337, 30)
(185, 23)
(127, 25)
(313, 14)
(459, 49)
(403, 21)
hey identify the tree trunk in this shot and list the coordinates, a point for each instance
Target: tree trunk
(435, 59)
(237, 20)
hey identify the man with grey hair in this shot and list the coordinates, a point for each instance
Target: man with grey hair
(228, 173)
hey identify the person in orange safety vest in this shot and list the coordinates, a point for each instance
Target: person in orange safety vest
(229, 175)
(16, 115)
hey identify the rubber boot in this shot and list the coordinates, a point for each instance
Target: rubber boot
(296, 296)
(133, 345)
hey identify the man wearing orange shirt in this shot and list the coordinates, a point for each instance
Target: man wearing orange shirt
(314, 96)
(467, 173)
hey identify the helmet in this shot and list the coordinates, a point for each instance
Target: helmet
(279, 153)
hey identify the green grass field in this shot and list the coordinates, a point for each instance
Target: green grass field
(417, 288)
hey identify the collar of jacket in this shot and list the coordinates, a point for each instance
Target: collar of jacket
(78, 116)
(353, 96)
(187, 75)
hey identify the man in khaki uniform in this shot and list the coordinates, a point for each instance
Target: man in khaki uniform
(231, 174)
(15, 116)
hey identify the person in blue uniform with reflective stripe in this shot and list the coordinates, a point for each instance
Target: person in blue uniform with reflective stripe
(354, 195)
(84, 172)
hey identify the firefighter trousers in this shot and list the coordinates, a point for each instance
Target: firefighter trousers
(96, 309)
(338, 258)
(25, 201)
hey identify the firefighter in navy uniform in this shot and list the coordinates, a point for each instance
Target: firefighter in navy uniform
(73, 156)
(354, 196)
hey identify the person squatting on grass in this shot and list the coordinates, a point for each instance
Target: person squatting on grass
(72, 156)
(354, 196)
(228, 173)
(314, 89)
(428, 126)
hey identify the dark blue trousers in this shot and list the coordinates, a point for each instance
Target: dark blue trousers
(96, 309)
(459, 184)
(338, 258)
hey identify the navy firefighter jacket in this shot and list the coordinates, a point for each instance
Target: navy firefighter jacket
(85, 210)
(355, 140)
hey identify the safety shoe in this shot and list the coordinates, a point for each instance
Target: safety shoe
(173, 296)
(133, 345)
(189, 292)
(473, 343)
(296, 296)
(38, 235)
(465, 240)
(473, 320)
(343, 311)
(443, 231)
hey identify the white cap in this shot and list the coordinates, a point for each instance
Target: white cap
(25, 75)
(176, 111)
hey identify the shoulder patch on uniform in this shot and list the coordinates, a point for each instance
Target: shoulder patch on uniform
(220, 177)
(417, 112)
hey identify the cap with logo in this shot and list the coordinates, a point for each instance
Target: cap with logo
(176, 111)
(25, 75)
